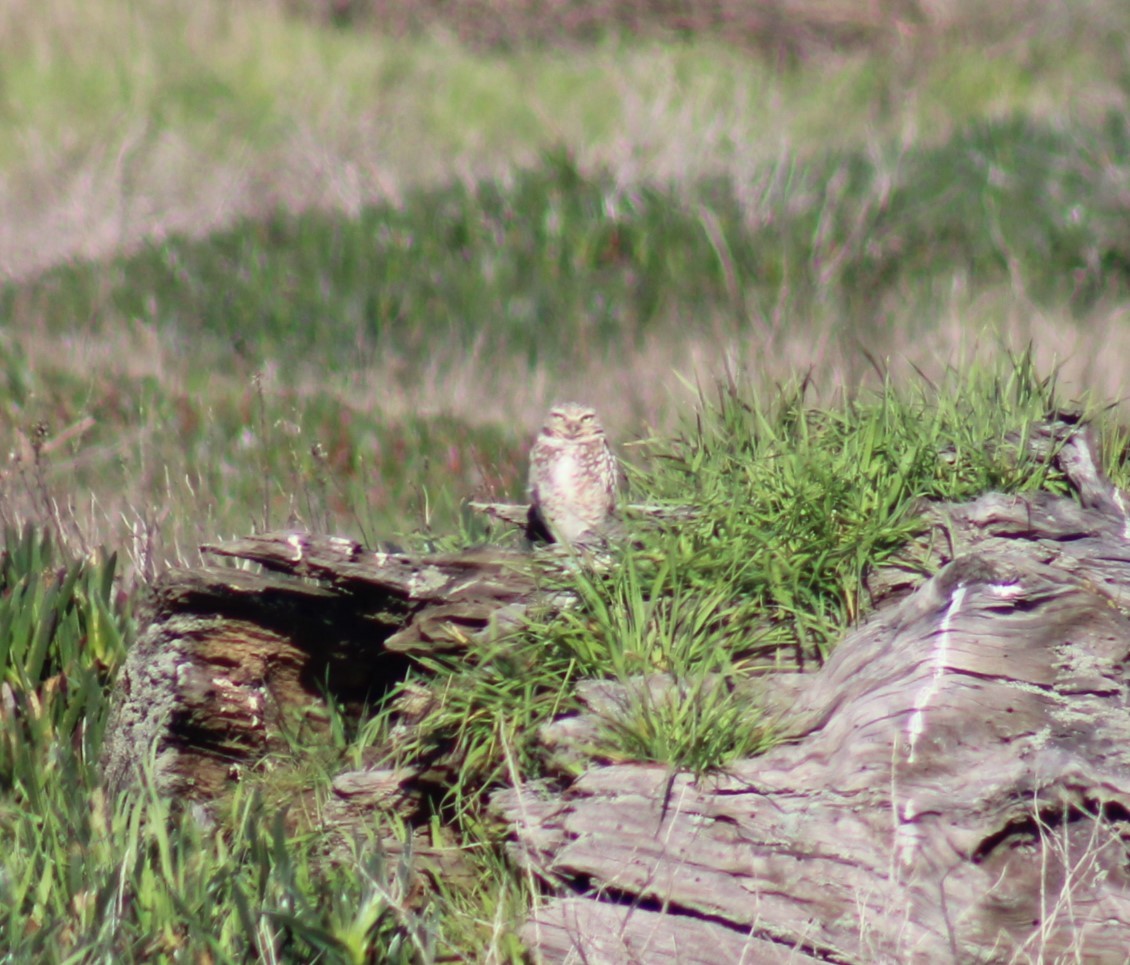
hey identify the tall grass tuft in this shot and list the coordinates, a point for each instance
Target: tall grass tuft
(792, 504)
(63, 634)
(83, 878)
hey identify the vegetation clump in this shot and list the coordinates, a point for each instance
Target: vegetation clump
(793, 503)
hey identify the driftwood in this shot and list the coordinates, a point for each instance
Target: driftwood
(953, 786)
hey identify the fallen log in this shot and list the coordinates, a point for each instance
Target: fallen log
(234, 663)
(953, 786)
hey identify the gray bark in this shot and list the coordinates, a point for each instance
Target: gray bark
(953, 786)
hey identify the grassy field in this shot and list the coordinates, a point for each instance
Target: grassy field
(122, 121)
(259, 268)
(370, 374)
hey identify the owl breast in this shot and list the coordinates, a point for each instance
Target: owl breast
(567, 472)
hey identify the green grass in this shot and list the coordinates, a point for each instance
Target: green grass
(196, 72)
(796, 504)
(138, 879)
(169, 469)
(441, 242)
(133, 881)
(796, 501)
(369, 374)
(120, 122)
(62, 637)
(563, 267)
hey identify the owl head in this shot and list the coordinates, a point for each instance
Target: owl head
(572, 421)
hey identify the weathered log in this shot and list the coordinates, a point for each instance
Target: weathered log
(953, 786)
(235, 662)
(521, 515)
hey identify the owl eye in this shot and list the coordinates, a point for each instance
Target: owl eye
(587, 417)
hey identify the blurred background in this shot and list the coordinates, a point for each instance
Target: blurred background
(328, 263)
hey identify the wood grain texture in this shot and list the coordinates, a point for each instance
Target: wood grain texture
(954, 785)
(626, 933)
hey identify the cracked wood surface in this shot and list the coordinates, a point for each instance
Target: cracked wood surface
(953, 786)
(234, 663)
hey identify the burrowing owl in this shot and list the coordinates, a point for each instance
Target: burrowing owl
(573, 475)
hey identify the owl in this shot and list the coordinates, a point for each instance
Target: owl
(573, 476)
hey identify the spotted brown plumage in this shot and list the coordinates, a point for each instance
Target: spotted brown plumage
(573, 475)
